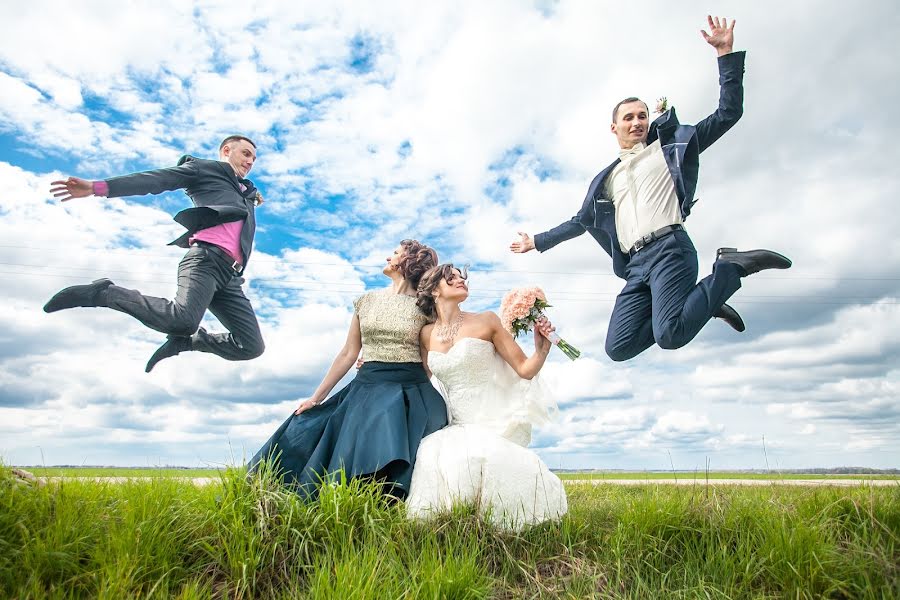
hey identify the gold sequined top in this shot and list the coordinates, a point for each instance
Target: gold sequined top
(390, 325)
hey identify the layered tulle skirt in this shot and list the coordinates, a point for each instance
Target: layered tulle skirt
(372, 427)
(471, 464)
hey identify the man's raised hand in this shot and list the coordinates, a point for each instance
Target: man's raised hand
(721, 35)
(522, 245)
(73, 187)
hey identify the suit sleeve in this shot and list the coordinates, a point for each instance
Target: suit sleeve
(731, 100)
(562, 232)
(153, 182)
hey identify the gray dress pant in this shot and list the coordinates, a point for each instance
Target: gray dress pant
(205, 281)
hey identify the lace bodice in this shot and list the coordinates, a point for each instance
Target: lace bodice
(481, 389)
(465, 371)
(390, 325)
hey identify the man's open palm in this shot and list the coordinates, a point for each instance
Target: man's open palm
(721, 35)
(72, 187)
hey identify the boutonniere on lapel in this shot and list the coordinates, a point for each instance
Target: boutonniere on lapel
(259, 198)
(662, 105)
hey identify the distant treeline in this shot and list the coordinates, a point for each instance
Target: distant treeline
(159, 468)
(811, 471)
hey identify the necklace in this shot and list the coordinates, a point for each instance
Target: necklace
(447, 333)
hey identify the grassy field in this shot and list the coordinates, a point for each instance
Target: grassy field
(164, 538)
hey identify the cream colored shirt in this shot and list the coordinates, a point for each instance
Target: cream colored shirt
(390, 325)
(643, 193)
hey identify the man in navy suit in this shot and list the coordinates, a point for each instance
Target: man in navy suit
(635, 209)
(219, 238)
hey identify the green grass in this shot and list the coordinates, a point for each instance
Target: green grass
(701, 476)
(167, 538)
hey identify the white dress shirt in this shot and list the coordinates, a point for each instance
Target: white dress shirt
(643, 193)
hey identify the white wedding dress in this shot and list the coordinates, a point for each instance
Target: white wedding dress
(482, 455)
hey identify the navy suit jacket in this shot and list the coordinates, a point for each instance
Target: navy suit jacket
(212, 185)
(681, 146)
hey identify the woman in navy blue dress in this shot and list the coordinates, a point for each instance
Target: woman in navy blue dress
(373, 426)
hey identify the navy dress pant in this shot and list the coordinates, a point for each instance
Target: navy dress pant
(662, 302)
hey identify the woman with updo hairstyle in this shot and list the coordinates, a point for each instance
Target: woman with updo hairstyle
(373, 426)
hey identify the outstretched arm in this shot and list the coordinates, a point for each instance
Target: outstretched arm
(342, 363)
(731, 83)
(525, 366)
(156, 181)
(546, 240)
(136, 184)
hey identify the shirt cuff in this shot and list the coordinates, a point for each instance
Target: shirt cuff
(100, 188)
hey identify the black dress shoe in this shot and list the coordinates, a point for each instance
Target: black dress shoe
(730, 316)
(92, 294)
(175, 344)
(753, 261)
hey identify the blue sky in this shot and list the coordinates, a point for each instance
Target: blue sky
(457, 123)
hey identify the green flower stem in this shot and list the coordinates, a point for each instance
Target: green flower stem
(569, 350)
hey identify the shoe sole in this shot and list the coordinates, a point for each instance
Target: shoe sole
(790, 263)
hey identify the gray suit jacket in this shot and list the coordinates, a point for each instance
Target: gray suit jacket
(212, 185)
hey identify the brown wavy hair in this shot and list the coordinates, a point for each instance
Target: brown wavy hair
(417, 259)
(430, 281)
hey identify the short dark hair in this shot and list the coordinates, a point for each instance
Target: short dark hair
(417, 259)
(628, 100)
(235, 138)
(430, 280)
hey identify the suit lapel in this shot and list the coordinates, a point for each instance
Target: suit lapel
(249, 190)
(230, 174)
(597, 187)
(662, 127)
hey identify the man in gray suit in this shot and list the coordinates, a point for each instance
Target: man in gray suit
(219, 238)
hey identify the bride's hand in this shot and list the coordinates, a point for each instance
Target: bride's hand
(305, 406)
(542, 330)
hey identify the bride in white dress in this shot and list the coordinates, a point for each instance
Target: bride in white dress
(493, 398)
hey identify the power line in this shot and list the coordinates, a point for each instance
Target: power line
(596, 297)
(473, 269)
(271, 283)
(274, 283)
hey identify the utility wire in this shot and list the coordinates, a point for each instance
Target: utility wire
(595, 297)
(273, 283)
(780, 277)
(56, 249)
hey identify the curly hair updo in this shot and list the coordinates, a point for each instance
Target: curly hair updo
(429, 282)
(417, 259)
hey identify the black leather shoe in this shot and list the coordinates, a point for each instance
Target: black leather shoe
(175, 344)
(730, 316)
(753, 261)
(92, 294)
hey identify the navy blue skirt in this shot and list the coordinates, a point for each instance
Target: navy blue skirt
(372, 427)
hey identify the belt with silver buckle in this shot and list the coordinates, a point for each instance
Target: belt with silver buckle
(653, 236)
(237, 267)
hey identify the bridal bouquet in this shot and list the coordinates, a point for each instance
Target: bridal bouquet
(521, 308)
